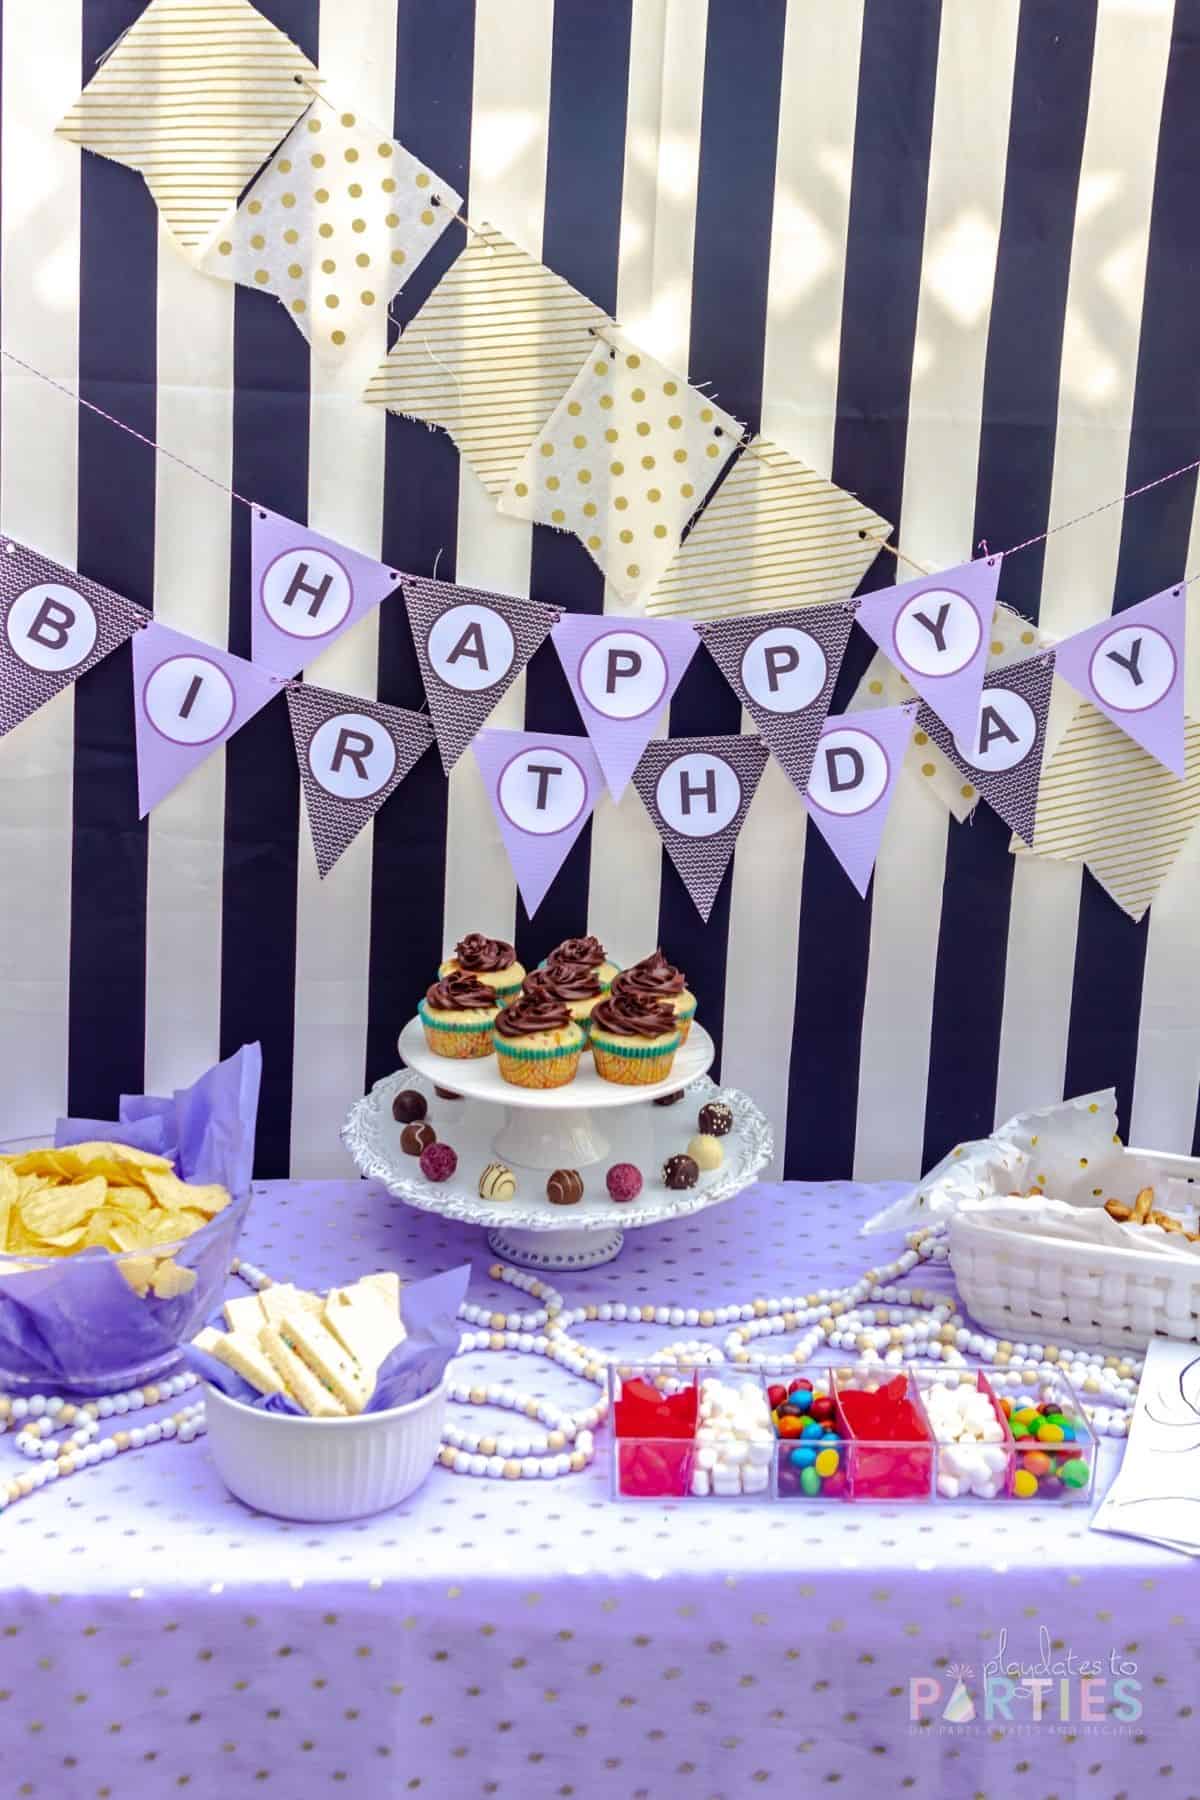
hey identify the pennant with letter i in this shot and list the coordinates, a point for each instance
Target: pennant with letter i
(622, 674)
(698, 792)
(471, 646)
(307, 589)
(782, 666)
(936, 631)
(353, 755)
(1002, 755)
(853, 777)
(542, 788)
(55, 625)
(187, 698)
(1131, 668)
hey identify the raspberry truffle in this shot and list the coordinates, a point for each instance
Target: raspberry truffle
(624, 1182)
(438, 1162)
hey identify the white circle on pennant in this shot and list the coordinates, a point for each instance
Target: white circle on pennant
(933, 642)
(51, 627)
(471, 648)
(189, 699)
(850, 773)
(352, 756)
(784, 669)
(698, 794)
(623, 675)
(542, 790)
(306, 593)
(1116, 657)
(1005, 732)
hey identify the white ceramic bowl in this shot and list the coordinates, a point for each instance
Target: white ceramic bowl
(324, 1469)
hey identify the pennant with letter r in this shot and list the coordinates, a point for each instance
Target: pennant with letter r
(306, 590)
(1002, 754)
(353, 755)
(852, 781)
(1131, 668)
(936, 631)
(622, 673)
(542, 788)
(698, 792)
(188, 697)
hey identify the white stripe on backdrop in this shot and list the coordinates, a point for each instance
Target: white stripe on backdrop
(816, 164)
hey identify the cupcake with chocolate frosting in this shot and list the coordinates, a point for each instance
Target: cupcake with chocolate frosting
(634, 1039)
(537, 1042)
(574, 983)
(588, 952)
(491, 961)
(654, 978)
(457, 1014)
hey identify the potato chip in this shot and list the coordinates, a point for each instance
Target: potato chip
(56, 1163)
(138, 1272)
(210, 1199)
(57, 1209)
(82, 1156)
(132, 1199)
(65, 1240)
(171, 1279)
(9, 1193)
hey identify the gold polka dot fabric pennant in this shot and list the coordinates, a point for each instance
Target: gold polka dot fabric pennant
(195, 95)
(490, 354)
(334, 225)
(624, 461)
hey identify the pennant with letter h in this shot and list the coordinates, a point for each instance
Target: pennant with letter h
(1131, 668)
(936, 631)
(1002, 754)
(187, 698)
(621, 675)
(542, 788)
(853, 777)
(353, 755)
(306, 590)
(698, 792)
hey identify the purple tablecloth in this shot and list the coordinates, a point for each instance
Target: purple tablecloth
(530, 1639)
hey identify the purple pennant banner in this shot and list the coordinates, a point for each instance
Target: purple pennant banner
(1131, 668)
(853, 777)
(471, 645)
(782, 667)
(542, 788)
(936, 631)
(1001, 756)
(54, 625)
(307, 589)
(698, 792)
(187, 698)
(622, 674)
(353, 755)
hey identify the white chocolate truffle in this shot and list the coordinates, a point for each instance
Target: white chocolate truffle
(706, 1152)
(497, 1182)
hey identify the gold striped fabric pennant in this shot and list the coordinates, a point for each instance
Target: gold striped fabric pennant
(196, 95)
(774, 535)
(1106, 802)
(490, 354)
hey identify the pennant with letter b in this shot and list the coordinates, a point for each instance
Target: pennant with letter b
(542, 788)
(1131, 668)
(306, 590)
(56, 625)
(353, 755)
(187, 698)
(698, 792)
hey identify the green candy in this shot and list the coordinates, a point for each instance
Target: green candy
(810, 1481)
(1018, 1430)
(1074, 1473)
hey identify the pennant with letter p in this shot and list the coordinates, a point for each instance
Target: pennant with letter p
(936, 631)
(542, 788)
(306, 590)
(621, 674)
(1002, 755)
(55, 625)
(852, 780)
(698, 792)
(1131, 668)
(187, 698)
(353, 755)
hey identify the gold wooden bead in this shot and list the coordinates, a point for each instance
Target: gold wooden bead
(512, 1470)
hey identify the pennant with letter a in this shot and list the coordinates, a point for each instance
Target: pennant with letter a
(188, 697)
(542, 788)
(853, 777)
(1002, 755)
(471, 646)
(56, 625)
(622, 673)
(698, 792)
(1131, 668)
(936, 632)
(353, 755)
(307, 589)
(783, 666)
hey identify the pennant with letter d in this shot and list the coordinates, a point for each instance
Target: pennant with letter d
(622, 674)
(698, 792)
(55, 625)
(1131, 668)
(353, 755)
(542, 788)
(1002, 755)
(852, 780)
(306, 590)
(936, 631)
(187, 698)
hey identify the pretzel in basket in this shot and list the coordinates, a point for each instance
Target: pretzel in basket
(1144, 1212)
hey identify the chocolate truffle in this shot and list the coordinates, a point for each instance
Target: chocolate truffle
(680, 1172)
(417, 1137)
(409, 1105)
(565, 1187)
(715, 1119)
(446, 1094)
(438, 1162)
(497, 1182)
(669, 1099)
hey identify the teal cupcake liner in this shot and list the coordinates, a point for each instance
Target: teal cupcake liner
(689, 1012)
(426, 1018)
(632, 1052)
(504, 1047)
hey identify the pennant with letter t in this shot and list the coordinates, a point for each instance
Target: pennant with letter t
(353, 755)
(187, 698)
(1001, 755)
(306, 590)
(1131, 668)
(622, 673)
(542, 788)
(698, 792)
(56, 625)
(853, 777)
(936, 631)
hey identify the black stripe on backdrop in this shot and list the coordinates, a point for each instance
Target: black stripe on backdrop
(581, 240)
(739, 133)
(118, 257)
(884, 250)
(432, 117)
(1110, 950)
(262, 785)
(1051, 85)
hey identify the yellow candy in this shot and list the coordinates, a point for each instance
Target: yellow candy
(1024, 1485)
(1027, 1415)
(1050, 1434)
(826, 1463)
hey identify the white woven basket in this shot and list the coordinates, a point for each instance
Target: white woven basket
(1044, 1289)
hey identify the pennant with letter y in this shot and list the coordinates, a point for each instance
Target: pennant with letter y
(698, 791)
(306, 590)
(1002, 754)
(936, 631)
(353, 755)
(187, 698)
(622, 673)
(1131, 668)
(853, 777)
(542, 788)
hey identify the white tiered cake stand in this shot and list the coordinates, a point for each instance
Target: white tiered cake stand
(587, 1125)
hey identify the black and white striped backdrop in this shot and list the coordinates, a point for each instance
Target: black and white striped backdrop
(950, 253)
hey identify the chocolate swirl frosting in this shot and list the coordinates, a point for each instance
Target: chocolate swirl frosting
(565, 981)
(586, 950)
(530, 1013)
(480, 954)
(631, 1015)
(653, 977)
(459, 992)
